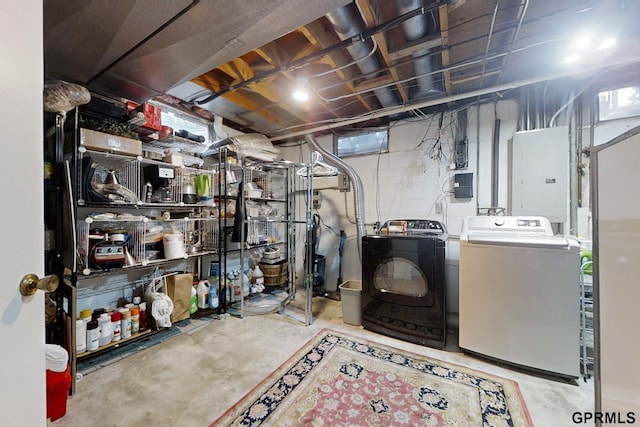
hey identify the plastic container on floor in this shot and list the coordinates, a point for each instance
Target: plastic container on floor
(351, 296)
(58, 384)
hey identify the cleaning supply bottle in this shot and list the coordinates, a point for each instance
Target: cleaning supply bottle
(203, 294)
(214, 301)
(143, 316)
(116, 324)
(247, 284)
(193, 305)
(106, 331)
(257, 275)
(93, 335)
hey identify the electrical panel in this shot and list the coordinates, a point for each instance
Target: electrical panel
(463, 185)
(540, 173)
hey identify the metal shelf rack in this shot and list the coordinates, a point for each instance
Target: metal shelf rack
(586, 320)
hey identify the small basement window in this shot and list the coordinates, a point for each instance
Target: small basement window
(182, 122)
(619, 103)
(372, 141)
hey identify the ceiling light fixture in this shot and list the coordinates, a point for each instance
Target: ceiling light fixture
(572, 58)
(583, 42)
(584, 47)
(300, 95)
(300, 92)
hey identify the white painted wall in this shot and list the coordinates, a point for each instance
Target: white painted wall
(407, 183)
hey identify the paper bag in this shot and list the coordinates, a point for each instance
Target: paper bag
(179, 290)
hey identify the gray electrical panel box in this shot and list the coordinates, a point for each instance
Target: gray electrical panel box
(540, 173)
(463, 185)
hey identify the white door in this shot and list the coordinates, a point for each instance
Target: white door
(22, 361)
(618, 267)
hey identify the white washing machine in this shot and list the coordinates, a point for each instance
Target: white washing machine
(520, 294)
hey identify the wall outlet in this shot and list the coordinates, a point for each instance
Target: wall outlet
(343, 182)
(317, 199)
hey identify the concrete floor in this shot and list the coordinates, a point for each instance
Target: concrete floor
(194, 377)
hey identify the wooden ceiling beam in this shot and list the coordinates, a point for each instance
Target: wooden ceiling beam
(242, 98)
(272, 55)
(375, 82)
(239, 71)
(429, 42)
(317, 36)
(275, 56)
(443, 14)
(370, 20)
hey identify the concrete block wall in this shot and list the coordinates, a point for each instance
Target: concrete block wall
(407, 183)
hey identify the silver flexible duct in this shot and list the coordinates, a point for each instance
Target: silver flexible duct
(358, 189)
(414, 29)
(346, 26)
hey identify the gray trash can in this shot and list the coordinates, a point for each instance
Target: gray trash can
(351, 296)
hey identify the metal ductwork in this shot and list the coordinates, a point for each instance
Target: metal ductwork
(346, 26)
(414, 29)
(358, 188)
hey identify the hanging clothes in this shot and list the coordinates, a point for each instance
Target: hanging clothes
(240, 217)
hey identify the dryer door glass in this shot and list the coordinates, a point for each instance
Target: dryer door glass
(400, 276)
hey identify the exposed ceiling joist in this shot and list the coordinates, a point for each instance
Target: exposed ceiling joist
(240, 61)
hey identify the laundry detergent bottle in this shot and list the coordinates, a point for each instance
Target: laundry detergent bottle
(202, 291)
(193, 305)
(214, 301)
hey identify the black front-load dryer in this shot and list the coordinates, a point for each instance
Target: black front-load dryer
(403, 282)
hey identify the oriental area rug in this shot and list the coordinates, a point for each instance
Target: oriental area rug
(337, 380)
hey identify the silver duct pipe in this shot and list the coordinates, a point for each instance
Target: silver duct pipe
(414, 29)
(346, 26)
(358, 189)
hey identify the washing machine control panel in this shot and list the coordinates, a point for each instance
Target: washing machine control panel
(529, 225)
(414, 226)
(528, 222)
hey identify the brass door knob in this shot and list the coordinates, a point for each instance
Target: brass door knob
(30, 284)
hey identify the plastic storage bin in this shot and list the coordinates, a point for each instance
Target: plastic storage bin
(351, 296)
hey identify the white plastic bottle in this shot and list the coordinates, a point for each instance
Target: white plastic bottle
(93, 335)
(247, 284)
(203, 294)
(214, 301)
(106, 330)
(81, 336)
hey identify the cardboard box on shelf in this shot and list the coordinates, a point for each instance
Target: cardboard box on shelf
(101, 141)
